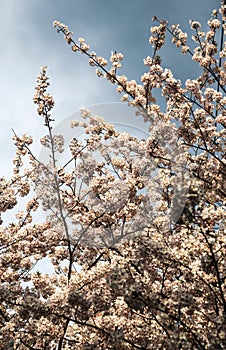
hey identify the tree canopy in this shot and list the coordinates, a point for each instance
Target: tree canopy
(134, 229)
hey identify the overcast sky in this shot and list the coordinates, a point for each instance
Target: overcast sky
(28, 41)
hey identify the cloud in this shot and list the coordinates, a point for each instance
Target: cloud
(29, 41)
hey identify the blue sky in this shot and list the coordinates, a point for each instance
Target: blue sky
(29, 41)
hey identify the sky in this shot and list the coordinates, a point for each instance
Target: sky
(28, 41)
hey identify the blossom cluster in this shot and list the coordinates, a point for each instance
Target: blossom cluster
(43, 99)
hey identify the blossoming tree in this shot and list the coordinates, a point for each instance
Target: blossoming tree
(133, 267)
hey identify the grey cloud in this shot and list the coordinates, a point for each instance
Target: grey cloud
(28, 41)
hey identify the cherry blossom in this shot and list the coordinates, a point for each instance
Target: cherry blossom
(134, 229)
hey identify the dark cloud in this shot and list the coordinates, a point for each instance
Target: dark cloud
(28, 41)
